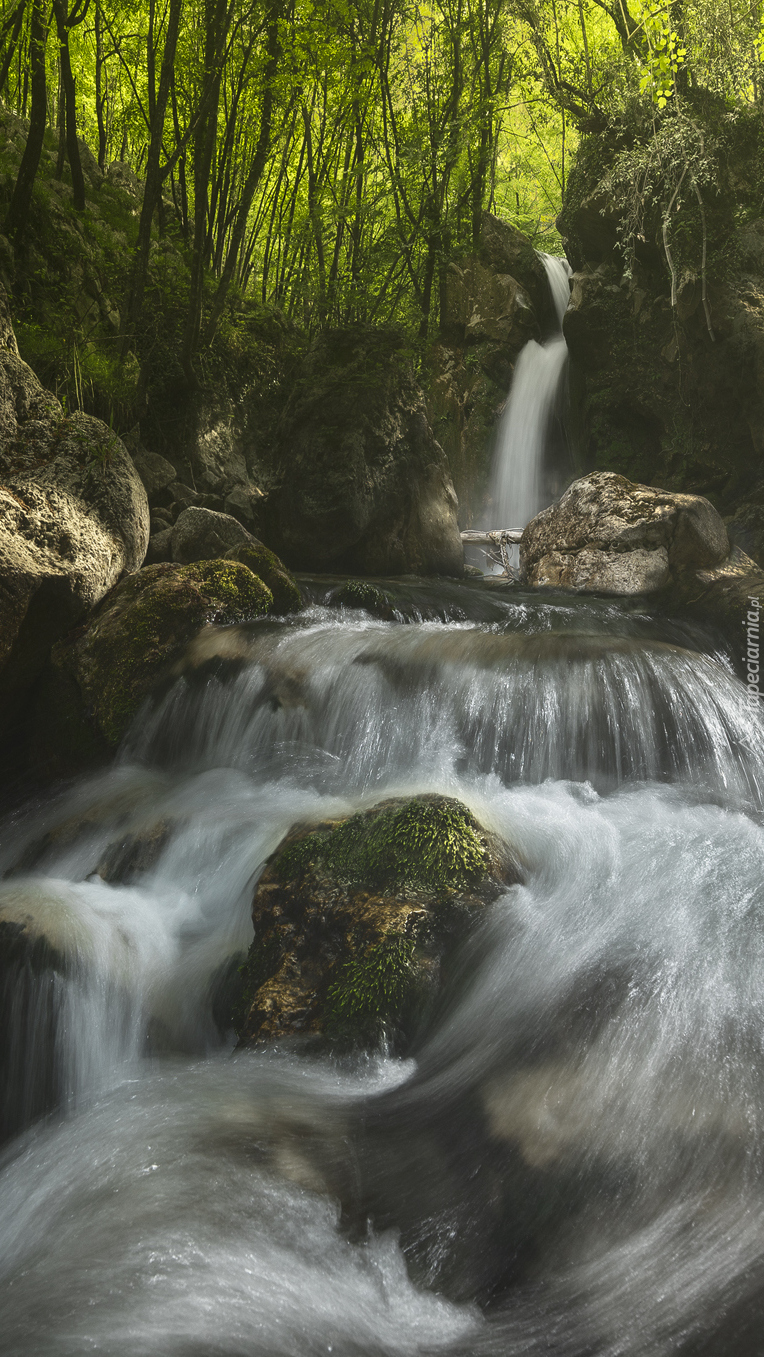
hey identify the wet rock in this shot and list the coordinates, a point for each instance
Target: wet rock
(746, 530)
(356, 920)
(38, 942)
(655, 393)
(506, 250)
(135, 848)
(367, 488)
(272, 571)
(605, 572)
(607, 534)
(729, 595)
(364, 596)
(203, 535)
(242, 503)
(74, 517)
(103, 672)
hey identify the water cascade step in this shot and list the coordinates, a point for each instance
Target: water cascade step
(570, 1160)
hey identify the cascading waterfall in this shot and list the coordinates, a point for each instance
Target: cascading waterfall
(518, 489)
(570, 1160)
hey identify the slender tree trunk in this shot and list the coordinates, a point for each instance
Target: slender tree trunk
(153, 179)
(252, 180)
(100, 87)
(70, 104)
(204, 150)
(13, 29)
(18, 211)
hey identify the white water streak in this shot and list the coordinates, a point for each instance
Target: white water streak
(517, 488)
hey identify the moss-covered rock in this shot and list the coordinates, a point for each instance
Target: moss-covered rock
(272, 571)
(136, 634)
(366, 597)
(356, 921)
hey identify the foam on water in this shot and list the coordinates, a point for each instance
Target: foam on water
(569, 1162)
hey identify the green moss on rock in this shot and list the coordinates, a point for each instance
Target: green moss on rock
(373, 991)
(274, 574)
(142, 626)
(361, 594)
(432, 842)
(356, 921)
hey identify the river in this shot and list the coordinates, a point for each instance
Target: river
(567, 1162)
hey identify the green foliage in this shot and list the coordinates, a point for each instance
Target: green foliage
(432, 843)
(372, 991)
(371, 138)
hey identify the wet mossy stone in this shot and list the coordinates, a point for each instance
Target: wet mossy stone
(357, 921)
(141, 627)
(272, 571)
(368, 597)
(433, 843)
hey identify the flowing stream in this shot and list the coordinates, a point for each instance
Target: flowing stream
(568, 1161)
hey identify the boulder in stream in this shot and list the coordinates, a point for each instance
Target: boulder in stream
(356, 920)
(608, 535)
(103, 671)
(204, 535)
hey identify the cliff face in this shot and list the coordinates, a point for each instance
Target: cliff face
(672, 395)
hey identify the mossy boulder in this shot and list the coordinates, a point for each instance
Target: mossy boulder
(366, 597)
(105, 670)
(356, 921)
(272, 571)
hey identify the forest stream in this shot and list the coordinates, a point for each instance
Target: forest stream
(569, 1159)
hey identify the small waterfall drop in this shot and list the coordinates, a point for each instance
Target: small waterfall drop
(518, 490)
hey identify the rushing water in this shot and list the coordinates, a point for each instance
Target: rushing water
(519, 482)
(568, 1161)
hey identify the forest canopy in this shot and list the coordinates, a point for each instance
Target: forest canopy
(330, 157)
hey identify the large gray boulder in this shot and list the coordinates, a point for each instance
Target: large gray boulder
(366, 486)
(608, 535)
(484, 305)
(74, 516)
(203, 535)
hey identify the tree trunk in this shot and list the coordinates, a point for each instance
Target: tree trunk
(70, 105)
(12, 28)
(204, 149)
(100, 88)
(153, 180)
(18, 211)
(252, 180)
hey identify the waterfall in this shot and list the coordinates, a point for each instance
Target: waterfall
(518, 488)
(570, 1159)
